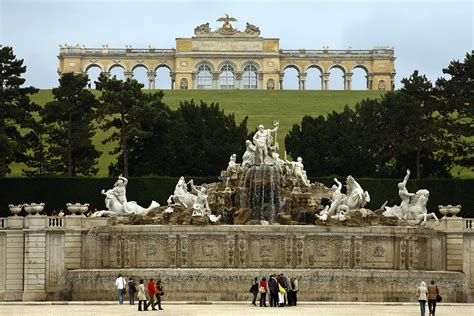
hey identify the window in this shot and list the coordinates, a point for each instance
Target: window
(204, 77)
(226, 77)
(250, 77)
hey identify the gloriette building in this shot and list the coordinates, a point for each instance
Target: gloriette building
(228, 58)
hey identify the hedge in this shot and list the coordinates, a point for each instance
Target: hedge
(56, 192)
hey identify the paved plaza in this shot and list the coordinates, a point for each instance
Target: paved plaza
(230, 309)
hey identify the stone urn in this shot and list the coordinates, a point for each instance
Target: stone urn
(33, 208)
(77, 208)
(15, 209)
(454, 210)
(444, 210)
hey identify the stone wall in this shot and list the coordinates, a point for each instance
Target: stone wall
(73, 257)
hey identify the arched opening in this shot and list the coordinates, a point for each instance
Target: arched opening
(290, 78)
(163, 77)
(313, 78)
(226, 77)
(117, 71)
(250, 77)
(140, 74)
(204, 77)
(359, 78)
(93, 72)
(336, 78)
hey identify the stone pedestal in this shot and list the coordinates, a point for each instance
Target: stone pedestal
(34, 286)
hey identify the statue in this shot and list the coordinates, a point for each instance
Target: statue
(227, 19)
(251, 29)
(201, 206)
(232, 166)
(297, 170)
(356, 197)
(203, 28)
(117, 204)
(402, 210)
(249, 156)
(337, 198)
(181, 195)
(263, 140)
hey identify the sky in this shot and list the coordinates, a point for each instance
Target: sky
(426, 35)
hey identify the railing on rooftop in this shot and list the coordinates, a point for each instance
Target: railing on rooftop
(115, 51)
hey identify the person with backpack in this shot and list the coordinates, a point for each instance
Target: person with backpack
(132, 289)
(159, 293)
(254, 291)
(120, 284)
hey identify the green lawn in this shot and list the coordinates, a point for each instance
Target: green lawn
(261, 106)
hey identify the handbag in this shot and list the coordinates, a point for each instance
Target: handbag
(439, 298)
(261, 290)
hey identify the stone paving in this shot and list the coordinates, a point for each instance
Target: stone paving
(231, 309)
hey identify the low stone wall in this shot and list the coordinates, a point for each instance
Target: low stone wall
(233, 284)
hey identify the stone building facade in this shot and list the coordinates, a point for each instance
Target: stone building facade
(231, 59)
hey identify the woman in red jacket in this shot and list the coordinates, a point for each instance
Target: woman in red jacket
(263, 292)
(151, 294)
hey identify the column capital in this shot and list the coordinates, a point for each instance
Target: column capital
(302, 76)
(151, 74)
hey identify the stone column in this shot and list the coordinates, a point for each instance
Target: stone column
(173, 79)
(238, 84)
(259, 80)
(215, 80)
(348, 81)
(194, 78)
(73, 241)
(34, 283)
(13, 275)
(282, 74)
(454, 244)
(370, 79)
(105, 73)
(324, 80)
(128, 74)
(302, 81)
(151, 79)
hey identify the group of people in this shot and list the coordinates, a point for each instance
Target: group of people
(428, 293)
(282, 291)
(155, 292)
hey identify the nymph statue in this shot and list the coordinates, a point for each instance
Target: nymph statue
(297, 171)
(249, 156)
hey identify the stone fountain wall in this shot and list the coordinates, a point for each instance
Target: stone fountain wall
(75, 258)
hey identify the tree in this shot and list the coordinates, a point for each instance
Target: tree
(119, 111)
(16, 111)
(69, 125)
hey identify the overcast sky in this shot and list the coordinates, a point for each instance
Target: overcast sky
(426, 35)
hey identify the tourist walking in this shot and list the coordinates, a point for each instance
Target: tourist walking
(159, 293)
(273, 288)
(263, 292)
(132, 289)
(141, 297)
(151, 294)
(120, 284)
(421, 295)
(254, 291)
(433, 292)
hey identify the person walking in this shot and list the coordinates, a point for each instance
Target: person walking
(263, 292)
(254, 291)
(132, 289)
(273, 288)
(159, 294)
(141, 297)
(421, 295)
(432, 295)
(120, 284)
(151, 294)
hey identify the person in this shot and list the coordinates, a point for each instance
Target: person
(141, 297)
(432, 293)
(254, 291)
(281, 290)
(296, 288)
(273, 288)
(120, 284)
(151, 294)
(421, 295)
(263, 292)
(159, 293)
(132, 289)
(289, 290)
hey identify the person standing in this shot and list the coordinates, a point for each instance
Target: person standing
(159, 294)
(141, 297)
(273, 288)
(296, 288)
(432, 294)
(421, 295)
(281, 290)
(120, 284)
(263, 292)
(289, 291)
(132, 289)
(254, 291)
(151, 294)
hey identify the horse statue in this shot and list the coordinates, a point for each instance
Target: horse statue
(355, 198)
(181, 195)
(117, 204)
(417, 212)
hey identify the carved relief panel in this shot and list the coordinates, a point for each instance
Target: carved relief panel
(206, 252)
(322, 252)
(379, 253)
(266, 252)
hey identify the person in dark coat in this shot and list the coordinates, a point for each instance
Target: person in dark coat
(273, 288)
(132, 289)
(254, 290)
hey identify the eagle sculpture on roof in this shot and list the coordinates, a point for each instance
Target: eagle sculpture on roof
(227, 19)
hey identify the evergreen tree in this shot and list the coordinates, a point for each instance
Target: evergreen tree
(16, 111)
(69, 124)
